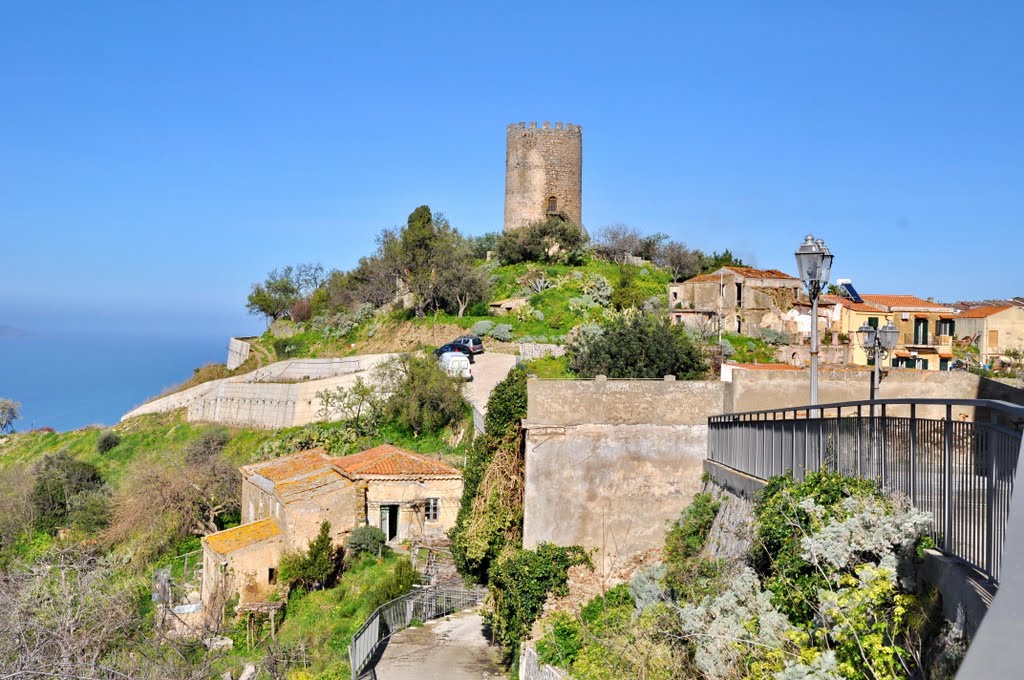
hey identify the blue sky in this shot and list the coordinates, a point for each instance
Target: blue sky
(157, 158)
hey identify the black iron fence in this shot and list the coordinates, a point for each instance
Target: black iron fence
(960, 470)
(421, 605)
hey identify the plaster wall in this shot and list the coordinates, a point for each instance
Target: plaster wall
(610, 462)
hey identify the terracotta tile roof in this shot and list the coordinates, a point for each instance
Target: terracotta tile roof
(766, 367)
(289, 467)
(230, 540)
(390, 461)
(745, 272)
(321, 482)
(908, 302)
(851, 305)
(982, 312)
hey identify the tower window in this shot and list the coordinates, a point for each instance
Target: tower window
(552, 205)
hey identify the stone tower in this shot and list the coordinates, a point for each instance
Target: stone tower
(543, 173)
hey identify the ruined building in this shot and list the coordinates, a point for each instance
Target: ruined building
(543, 173)
(284, 500)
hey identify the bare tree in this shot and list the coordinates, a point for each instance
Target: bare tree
(18, 516)
(10, 411)
(617, 242)
(681, 262)
(71, 615)
(161, 502)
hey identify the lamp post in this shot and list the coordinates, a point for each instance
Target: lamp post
(814, 262)
(878, 343)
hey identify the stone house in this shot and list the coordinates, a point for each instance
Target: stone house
(994, 330)
(747, 300)
(284, 501)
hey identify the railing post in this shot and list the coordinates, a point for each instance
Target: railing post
(883, 449)
(860, 448)
(913, 453)
(990, 500)
(947, 481)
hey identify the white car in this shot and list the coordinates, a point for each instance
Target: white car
(456, 364)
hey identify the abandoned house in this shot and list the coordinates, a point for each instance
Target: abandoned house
(745, 299)
(284, 501)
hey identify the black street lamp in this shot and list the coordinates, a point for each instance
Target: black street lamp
(878, 343)
(814, 263)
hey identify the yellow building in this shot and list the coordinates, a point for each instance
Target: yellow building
(994, 330)
(926, 329)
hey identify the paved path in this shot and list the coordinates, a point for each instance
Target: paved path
(452, 648)
(489, 369)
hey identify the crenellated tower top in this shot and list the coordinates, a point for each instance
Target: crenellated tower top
(543, 173)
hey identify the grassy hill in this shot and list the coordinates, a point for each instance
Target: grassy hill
(558, 298)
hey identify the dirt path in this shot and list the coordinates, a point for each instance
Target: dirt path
(453, 648)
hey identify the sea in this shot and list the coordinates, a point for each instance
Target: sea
(67, 380)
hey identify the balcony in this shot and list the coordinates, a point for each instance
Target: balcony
(908, 339)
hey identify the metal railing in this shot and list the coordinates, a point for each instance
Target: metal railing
(961, 471)
(424, 604)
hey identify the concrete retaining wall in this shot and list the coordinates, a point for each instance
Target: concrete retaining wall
(280, 395)
(531, 669)
(238, 352)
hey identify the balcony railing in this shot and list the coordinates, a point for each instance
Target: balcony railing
(962, 471)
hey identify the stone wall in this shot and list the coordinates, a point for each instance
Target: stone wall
(540, 163)
(529, 351)
(609, 462)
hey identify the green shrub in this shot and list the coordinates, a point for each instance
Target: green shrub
(637, 346)
(365, 539)
(397, 583)
(481, 327)
(59, 478)
(479, 535)
(422, 397)
(553, 240)
(90, 510)
(563, 641)
(286, 348)
(502, 332)
(688, 575)
(783, 522)
(521, 582)
(317, 567)
(106, 441)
